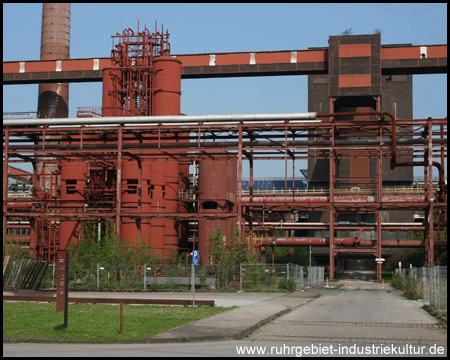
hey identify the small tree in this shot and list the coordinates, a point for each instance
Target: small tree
(231, 251)
(347, 31)
(111, 251)
(226, 255)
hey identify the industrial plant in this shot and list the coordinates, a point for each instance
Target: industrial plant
(169, 179)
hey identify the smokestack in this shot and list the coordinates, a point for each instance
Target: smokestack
(55, 45)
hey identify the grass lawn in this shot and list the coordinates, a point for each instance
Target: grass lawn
(95, 321)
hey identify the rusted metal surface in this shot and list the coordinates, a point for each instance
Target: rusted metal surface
(305, 241)
(217, 191)
(166, 101)
(73, 197)
(201, 143)
(150, 164)
(103, 300)
(394, 60)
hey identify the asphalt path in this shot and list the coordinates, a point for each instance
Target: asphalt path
(364, 320)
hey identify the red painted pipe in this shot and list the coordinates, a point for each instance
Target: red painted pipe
(304, 241)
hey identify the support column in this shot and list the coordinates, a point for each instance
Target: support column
(251, 237)
(379, 253)
(379, 180)
(119, 181)
(239, 183)
(331, 200)
(431, 235)
(332, 218)
(431, 196)
(5, 179)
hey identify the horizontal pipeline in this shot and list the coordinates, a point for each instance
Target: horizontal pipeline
(162, 120)
(346, 242)
(221, 144)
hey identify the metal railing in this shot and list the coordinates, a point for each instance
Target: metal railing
(350, 190)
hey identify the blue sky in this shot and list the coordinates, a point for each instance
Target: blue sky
(213, 28)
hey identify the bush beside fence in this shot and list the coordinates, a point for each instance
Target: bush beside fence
(429, 284)
(244, 277)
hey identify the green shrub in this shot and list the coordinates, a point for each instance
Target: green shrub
(396, 281)
(287, 284)
(413, 291)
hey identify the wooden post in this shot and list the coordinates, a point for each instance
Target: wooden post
(121, 317)
(62, 290)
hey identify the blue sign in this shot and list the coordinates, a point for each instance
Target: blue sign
(195, 257)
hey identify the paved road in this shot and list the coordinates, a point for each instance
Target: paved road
(363, 314)
(364, 318)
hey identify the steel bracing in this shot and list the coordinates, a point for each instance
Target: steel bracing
(421, 142)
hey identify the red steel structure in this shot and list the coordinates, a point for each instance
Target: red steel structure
(137, 176)
(395, 59)
(145, 80)
(251, 141)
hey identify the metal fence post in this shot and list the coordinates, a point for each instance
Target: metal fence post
(287, 271)
(433, 287)
(53, 275)
(438, 298)
(240, 277)
(145, 277)
(424, 284)
(98, 276)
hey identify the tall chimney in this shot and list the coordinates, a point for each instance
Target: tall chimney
(55, 45)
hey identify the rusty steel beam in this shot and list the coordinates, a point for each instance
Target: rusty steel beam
(178, 302)
(401, 59)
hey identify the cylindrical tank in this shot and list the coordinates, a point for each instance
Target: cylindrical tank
(111, 104)
(130, 181)
(166, 86)
(166, 101)
(217, 194)
(156, 198)
(73, 184)
(53, 99)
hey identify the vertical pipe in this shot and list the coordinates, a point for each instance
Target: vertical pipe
(5, 178)
(442, 197)
(332, 218)
(285, 162)
(293, 170)
(251, 176)
(251, 198)
(332, 212)
(379, 180)
(431, 197)
(239, 184)
(119, 181)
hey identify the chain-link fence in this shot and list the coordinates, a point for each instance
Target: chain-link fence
(430, 284)
(266, 277)
(314, 275)
(244, 277)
